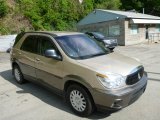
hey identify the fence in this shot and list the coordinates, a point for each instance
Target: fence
(153, 37)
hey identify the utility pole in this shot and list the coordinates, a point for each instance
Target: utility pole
(143, 10)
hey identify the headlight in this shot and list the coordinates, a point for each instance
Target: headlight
(107, 41)
(111, 81)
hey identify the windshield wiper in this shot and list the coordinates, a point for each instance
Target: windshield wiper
(90, 56)
(99, 54)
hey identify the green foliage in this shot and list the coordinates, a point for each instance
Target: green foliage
(64, 14)
(3, 8)
(150, 6)
(59, 14)
(132, 4)
(108, 4)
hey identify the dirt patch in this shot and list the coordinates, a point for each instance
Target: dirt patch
(11, 3)
(14, 21)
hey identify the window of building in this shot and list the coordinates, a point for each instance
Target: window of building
(84, 30)
(106, 31)
(157, 28)
(133, 29)
(100, 29)
(114, 30)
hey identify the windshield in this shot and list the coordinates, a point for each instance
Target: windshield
(98, 35)
(80, 46)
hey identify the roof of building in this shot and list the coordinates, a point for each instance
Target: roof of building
(130, 14)
(101, 15)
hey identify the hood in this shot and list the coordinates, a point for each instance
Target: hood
(113, 62)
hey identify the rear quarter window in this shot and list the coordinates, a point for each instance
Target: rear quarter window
(18, 37)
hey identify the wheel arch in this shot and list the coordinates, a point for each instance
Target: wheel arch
(13, 64)
(78, 81)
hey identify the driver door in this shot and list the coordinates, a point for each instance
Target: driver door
(48, 70)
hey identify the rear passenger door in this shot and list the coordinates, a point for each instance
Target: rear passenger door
(48, 70)
(27, 56)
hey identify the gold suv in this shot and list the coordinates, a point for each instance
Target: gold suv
(78, 68)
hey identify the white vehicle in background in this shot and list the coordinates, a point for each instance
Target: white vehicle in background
(6, 42)
(11, 45)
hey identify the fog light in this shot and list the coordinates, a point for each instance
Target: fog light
(117, 104)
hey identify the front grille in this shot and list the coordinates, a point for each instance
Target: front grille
(135, 77)
(113, 41)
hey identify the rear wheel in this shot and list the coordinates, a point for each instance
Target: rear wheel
(18, 74)
(79, 100)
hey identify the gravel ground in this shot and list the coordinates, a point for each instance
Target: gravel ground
(32, 102)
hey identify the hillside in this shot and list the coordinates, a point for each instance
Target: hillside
(47, 14)
(14, 21)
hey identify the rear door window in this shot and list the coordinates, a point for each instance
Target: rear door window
(30, 44)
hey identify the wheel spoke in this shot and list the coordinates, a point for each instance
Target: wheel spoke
(77, 100)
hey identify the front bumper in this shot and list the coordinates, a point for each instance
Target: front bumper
(112, 45)
(118, 99)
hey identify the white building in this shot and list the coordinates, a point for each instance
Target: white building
(127, 27)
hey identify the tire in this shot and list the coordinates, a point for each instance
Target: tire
(111, 49)
(18, 74)
(79, 100)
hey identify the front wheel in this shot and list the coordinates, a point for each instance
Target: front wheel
(79, 100)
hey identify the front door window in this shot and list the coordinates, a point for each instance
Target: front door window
(48, 70)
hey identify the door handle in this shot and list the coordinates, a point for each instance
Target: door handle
(37, 59)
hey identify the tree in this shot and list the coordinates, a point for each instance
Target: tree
(60, 14)
(150, 6)
(107, 4)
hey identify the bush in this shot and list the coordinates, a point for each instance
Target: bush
(3, 8)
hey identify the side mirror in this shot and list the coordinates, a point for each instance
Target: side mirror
(51, 53)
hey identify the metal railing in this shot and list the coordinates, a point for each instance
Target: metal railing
(153, 37)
